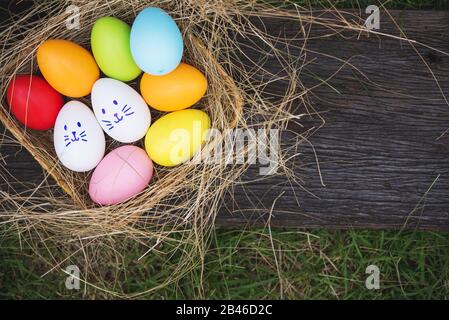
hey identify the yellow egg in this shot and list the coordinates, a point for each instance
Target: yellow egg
(177, 90)
(177, 136)
(68, 68)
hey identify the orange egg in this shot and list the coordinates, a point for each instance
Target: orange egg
(177, 90)
(67, 67)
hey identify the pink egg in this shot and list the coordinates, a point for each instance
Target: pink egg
(123, 173)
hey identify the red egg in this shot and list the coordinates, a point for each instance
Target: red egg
(34, 102)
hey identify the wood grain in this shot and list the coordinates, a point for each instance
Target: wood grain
(383, 160)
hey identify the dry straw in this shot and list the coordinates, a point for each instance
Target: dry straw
(180, 205)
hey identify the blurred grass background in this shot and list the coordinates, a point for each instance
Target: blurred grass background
(249, 264)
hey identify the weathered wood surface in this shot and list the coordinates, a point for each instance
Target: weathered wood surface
(382, 161)
(379, 151)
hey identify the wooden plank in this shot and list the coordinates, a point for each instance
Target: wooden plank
(381, 161)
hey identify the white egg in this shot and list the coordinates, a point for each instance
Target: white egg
(78, 138)
(120, 110)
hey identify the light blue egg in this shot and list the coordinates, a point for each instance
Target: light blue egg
(156, 42)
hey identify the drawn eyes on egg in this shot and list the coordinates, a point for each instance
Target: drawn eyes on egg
(78, 124)
(103, 110)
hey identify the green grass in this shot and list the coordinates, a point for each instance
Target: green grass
(240, 264)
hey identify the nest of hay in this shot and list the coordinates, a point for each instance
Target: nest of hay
(176, 194)
(180, 203)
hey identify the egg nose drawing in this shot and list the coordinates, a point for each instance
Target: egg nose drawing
(74, 137)
(118, 118)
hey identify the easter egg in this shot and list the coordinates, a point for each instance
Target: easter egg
(33, 101)
(68, 67)
(156, 42)
(120, 110)
(110, 46)
(177, 136)
(78, 139)
(177, 90)
(123, 173)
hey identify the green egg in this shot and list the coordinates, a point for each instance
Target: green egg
(111, 49)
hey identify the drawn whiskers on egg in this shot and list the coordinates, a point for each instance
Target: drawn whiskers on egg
(126, 110)
(83, 135)
(66, 138)
(108, 124)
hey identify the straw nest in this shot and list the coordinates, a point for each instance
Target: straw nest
(181, 203)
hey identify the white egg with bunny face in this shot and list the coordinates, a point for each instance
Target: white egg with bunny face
(78, 138)
(120, 110)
